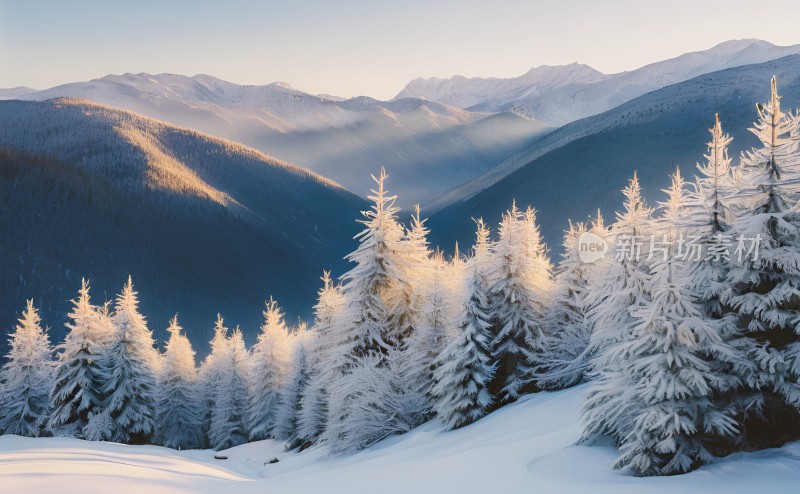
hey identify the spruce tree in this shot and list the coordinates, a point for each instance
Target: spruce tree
(26, 377)
(620, 289)
(131, 364)
(519, 297)
(179, 406)
(322, 362)
(211, 370)
(672, 366)
(464, 367)
(297, 380)
(268, 369)
(763, 283)
(228, 426)
(79, 377)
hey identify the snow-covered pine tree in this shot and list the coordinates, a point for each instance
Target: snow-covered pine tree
(131, 364)
(211, 369)
(289, 404)
(26, 377)
(672, 366)
(228, 416)
(620, 288)
(763, 284)
(519, 298)
(371, 335)
(180, 408)
(562, 364)
(711, 219)
(464, 367)
(268, 369)
(325, 334)
(79, 378)
(432, 330)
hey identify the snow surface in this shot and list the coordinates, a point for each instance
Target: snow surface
(525, 447)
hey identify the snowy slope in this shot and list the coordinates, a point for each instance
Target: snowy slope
(16, 92)
(581, 92)
(582, 166)
(203, 225)
(345, 140)
(525, 447)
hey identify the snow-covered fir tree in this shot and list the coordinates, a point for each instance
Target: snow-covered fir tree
(228, 426)
(562, 364)
(620, 289)
(211, 369)
(297, 380)
(672, 366)
(268, 369)
(179, 406)
(519, 298)
(26, 377)
(79, 378)
(371, 337)
(763, 283)
(435, 317)
(131, 364)
(325, 334)
(711, 219)
(464, 367)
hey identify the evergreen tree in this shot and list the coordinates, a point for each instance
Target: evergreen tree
(763, 283)
(620, 289)
(211, 371)
(672, 366)
(464, 368)
(131, 364)
(180, 410)
(79, 378)
(562, 364)
(519, 297)
(26, 377)
(228, 415)
(323, 365)
(371, 334)
(288, 411)
(268, 369)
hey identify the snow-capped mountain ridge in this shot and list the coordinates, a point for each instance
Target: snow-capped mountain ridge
(583, 93)
(344, 139)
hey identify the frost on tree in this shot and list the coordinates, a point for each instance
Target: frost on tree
(672, 367)
(26, 377)
(227, 427)
(519, 298)
(620, 289)
(763, 283)
(564, 361)
(79, 378)
(180, 409)
(268, 369)
(131, 364)
(367, 393)
(323, 362)
(288, 410)
(464, 368)
(432, 330)
(211, 370)
(711, 221)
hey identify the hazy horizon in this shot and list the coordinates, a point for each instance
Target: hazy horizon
(360, 48)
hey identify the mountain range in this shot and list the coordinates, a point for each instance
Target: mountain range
(203, 225)
(563, 94)
(582, 166)
(428, 146)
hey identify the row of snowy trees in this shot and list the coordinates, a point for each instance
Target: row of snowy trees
(690, 356)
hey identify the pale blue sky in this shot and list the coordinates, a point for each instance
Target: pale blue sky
(371, 47)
